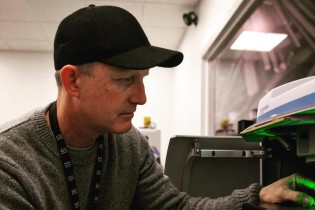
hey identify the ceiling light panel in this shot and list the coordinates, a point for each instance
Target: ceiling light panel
(257, 41)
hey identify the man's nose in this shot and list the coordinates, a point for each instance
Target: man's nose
(138, 96)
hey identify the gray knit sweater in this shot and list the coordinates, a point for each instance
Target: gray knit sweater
(32, 177)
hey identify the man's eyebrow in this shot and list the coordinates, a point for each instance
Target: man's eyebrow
(132, 71)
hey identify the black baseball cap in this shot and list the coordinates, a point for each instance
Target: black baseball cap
(110, 35)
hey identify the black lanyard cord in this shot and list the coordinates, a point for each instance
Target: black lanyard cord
(67, 164)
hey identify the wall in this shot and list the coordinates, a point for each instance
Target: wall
(212, 16)
(160, 99)
(26, 82)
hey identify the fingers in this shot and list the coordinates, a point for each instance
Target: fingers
(304, 199)
(286, 190)
(301, 198)
(303, 182)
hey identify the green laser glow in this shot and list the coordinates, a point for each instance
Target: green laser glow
(303, 182)
(305, 200)
(264, 131)
(302, 198)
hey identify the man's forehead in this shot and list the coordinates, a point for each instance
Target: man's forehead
(120, 70)
(132, 72)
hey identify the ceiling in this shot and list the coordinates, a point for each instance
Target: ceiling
(30, 25)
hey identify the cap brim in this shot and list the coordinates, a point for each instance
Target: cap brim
(145, 57)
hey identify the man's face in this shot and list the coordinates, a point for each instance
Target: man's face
(109, 98)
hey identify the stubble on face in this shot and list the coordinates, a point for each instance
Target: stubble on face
(110, 97)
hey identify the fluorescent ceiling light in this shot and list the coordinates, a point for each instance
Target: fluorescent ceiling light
(257, 41)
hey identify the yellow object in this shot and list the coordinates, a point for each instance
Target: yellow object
(147, 122)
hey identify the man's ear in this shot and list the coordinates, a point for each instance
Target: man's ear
(69, 76)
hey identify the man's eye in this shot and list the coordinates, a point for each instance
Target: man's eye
(127, 80)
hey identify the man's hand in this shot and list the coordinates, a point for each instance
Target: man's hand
(289, 189)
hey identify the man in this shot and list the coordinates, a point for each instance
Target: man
(82, 152)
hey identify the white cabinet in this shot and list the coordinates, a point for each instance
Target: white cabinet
(154, 137)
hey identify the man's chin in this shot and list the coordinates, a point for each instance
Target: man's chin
(121, 129)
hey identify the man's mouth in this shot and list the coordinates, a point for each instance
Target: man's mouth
(127, 115)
